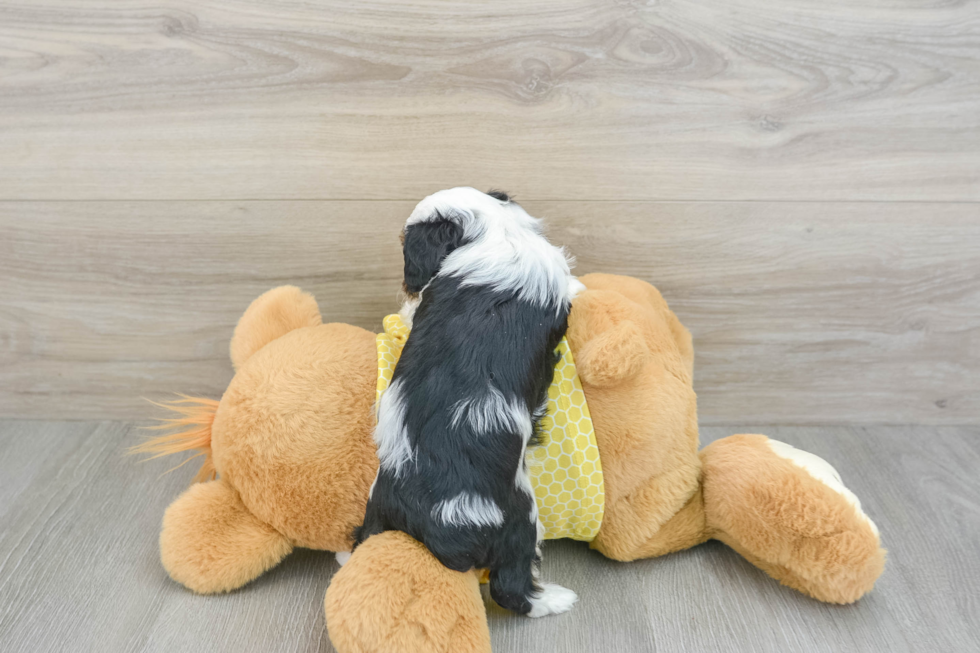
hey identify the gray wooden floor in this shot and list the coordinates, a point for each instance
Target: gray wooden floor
(79, 568)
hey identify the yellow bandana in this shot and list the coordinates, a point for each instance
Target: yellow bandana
(565, 470)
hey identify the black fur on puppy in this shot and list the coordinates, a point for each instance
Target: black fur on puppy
(491, 305)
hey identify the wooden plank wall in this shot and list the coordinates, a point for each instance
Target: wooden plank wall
(802, 181)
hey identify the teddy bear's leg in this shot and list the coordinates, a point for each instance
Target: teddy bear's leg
(631, 539)
(665, 515)
(788, 513)
(392, 596)
(211, 543)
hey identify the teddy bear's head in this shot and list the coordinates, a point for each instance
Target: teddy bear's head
(292, 433)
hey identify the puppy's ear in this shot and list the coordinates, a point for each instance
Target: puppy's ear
(425, 245)
(498, 195)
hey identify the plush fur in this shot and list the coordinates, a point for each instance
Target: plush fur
(292, 445)
(420, 609)
(810, 539)
(270, 316)
(210, 542)
(468, 391)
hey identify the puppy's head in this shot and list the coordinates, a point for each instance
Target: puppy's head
(441, 223)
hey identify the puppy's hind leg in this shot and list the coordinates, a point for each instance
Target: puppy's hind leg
(372, 526)
(512, 586)
(515, 585)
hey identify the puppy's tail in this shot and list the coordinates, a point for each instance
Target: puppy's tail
(192, 422)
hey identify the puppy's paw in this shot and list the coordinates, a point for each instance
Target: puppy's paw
(553, 599)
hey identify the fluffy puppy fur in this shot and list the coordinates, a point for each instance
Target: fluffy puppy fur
(491, 302)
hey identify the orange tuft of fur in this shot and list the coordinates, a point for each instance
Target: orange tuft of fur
(195, 415)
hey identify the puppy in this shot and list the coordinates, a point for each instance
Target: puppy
(491, 305)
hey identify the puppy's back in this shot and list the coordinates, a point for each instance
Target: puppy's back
(470, 386)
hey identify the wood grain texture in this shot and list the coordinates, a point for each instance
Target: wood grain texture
(79, 567)
(392, 99)
(801, 312)
(79, 559)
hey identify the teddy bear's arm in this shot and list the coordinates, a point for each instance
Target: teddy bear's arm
(612, 300)
(613, 356)
(609, 347)
(211, 543)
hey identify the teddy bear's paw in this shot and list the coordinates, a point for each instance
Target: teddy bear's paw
(553, 599)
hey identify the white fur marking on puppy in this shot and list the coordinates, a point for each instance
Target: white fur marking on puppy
(390, 434)
(521, 479)
(468, 509)
(575, 287)
(407, 312)
(523, 483)
(342, 557)
(822, 471)
(492, 412)
(506, 251)
(552, 599)
(539, 532)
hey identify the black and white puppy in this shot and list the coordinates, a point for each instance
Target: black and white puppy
(469, 390)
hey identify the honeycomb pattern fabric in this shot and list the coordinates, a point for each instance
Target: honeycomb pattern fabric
(565, 469)
(390, 344)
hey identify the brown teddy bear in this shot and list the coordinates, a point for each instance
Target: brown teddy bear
(290, 458)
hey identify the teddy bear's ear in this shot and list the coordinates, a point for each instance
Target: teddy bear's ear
(274, 314)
